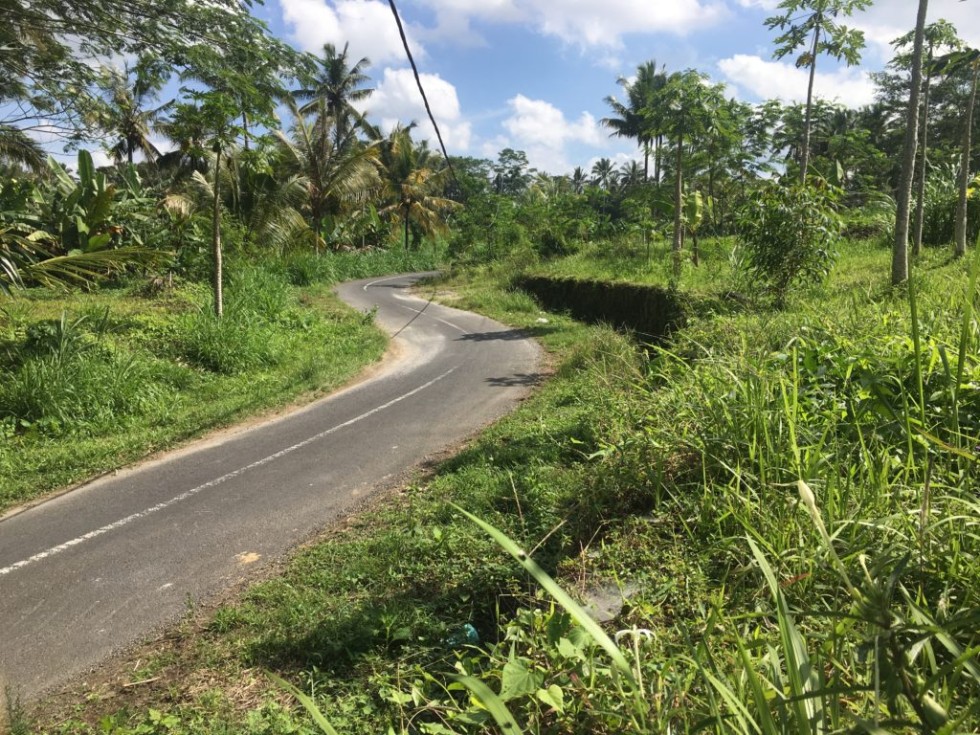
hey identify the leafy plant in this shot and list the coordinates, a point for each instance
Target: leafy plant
(790, 233)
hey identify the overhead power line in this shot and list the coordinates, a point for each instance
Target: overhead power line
(418, 81)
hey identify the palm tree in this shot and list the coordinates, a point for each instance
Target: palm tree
(637, 117)
(413, 178)
(631, 174)
(337, 86)
(123, 112)
(603, 173)
(18, 148)
(337, 178)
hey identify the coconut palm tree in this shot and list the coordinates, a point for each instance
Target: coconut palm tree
(413, 176)
(637, 117)
(338, 177)
(123, 112)
(603, 173)
(17, 148)
(336, 87)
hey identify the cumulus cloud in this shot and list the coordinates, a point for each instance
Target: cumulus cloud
(542, 131)
(366, 24)
(586, 22)
(397, 99)
(775, 79)
(884, 22)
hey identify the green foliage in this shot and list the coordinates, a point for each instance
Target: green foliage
(93, 381)
(790, 234)
(65, 377)
(939, 211)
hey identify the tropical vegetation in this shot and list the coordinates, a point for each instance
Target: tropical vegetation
(777, 488)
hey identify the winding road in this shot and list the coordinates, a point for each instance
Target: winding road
(97, 569)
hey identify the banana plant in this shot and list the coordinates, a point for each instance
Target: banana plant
(92, 213)
(696, 208)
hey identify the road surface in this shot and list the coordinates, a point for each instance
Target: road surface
(97, 569)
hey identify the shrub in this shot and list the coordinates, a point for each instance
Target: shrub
(789, 233)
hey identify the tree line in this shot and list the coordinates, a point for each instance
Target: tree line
(332, 179)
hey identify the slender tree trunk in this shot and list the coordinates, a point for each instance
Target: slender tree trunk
(678, 204)
(245, 129)
(962, 211)
(805, 157)
(129, 153)
(656, 158)
(646, 161)
(900, 251)
(219, 306)
(406, 229)
(920, 187)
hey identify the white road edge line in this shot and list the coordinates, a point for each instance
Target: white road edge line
(448, 324)
(217, 481)
(366, 286)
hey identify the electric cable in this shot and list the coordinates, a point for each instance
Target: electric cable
(425, 100)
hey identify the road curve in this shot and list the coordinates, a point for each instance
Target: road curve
(99, 568)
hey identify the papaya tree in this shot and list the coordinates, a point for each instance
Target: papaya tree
(812, 25)
(688, 105)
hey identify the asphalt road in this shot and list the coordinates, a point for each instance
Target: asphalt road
(97, 569)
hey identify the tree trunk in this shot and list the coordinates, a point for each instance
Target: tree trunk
(805, 162)
(406, 229)
(245, 129)
(678, 204)
(961, 201)
(920, 188)
(656, 158)
(900, 251)
(219, 306)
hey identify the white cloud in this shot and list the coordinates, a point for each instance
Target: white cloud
(542, 131)
(764, 4)
(776, 79)
(586, 22)
(367, 25)
(397, 99)
(885, 21)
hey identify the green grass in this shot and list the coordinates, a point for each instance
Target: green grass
(94, 381)
(787, 498)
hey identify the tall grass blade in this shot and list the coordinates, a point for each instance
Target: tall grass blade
(798, 668)
(308, 704)
(578, 613)
(755, 683)
(494, 704)
(968, 309)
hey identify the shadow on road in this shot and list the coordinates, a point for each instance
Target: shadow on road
(518, 379)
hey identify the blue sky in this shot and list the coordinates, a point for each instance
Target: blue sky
(533, 74)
